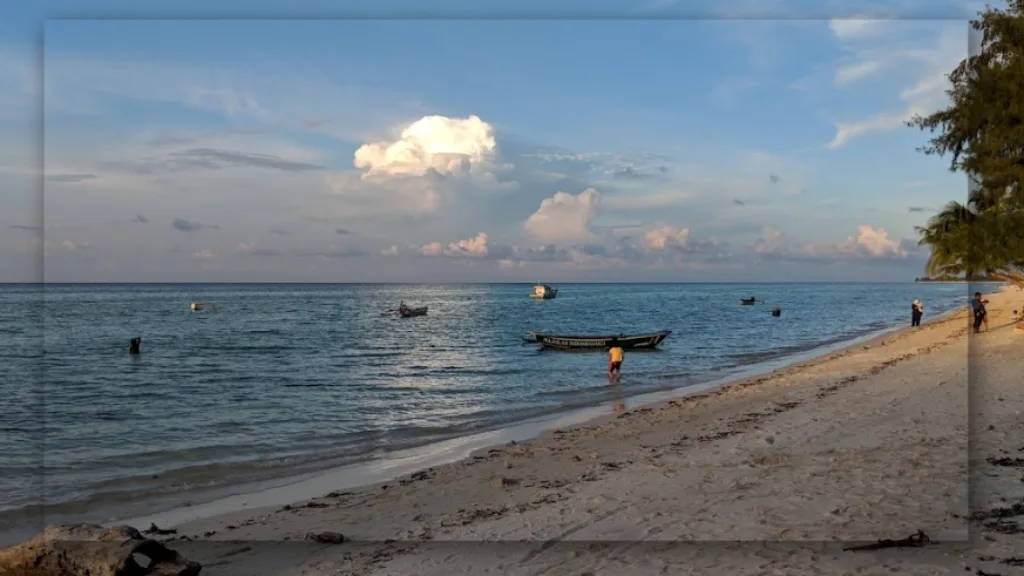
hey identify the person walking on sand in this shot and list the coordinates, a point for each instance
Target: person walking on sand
(980, 314)
(916, 312)
(615, 356)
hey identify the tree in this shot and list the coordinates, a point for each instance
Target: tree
(982, 130)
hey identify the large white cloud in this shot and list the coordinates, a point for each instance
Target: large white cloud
(432, 143)
(564, 216)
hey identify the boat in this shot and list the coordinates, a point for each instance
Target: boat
(410, 312)
(197, 306)
(748, 301)
(627, 342)
(776, 311)
(544, 292)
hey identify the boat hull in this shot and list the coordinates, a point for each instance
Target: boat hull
(545, 296)
(599, 343)
(412, 312)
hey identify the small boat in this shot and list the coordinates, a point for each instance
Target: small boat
(410, 312)
(197, 306)
(627, 342)
(544, 292)
(776, 311)
(748, 301)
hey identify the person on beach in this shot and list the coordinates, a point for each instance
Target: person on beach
(916, 312)
(980, 314)
(615, 356)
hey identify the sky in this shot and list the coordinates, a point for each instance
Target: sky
(484, 148)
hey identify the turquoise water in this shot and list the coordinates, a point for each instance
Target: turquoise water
(279, 379)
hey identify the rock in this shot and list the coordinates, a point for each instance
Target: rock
(326, 537)
(770, 439)
(94, 550)
(503, 482)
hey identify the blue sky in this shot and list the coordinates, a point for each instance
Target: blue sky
(471, 150)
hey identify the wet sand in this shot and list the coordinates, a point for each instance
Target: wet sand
(867, 443)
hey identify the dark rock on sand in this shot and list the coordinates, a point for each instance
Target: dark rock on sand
(90, 549)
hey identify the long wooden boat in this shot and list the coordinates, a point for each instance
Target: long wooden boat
(410, 312)
(627, 342)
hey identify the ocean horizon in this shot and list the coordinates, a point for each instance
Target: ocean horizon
(283, 379)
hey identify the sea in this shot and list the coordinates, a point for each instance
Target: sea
(278, 379)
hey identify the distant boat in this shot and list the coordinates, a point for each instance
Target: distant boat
(748, 301)
(776, 311)
(197, 306)
(544, 292)
(410, 312)
(558, 342)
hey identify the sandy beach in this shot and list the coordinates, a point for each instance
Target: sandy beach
(867, 443)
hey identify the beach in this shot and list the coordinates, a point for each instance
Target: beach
(867, 443)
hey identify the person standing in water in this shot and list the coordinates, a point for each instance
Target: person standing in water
(615, 356)
(916, 312)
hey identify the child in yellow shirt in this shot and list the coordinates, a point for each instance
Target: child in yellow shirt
(615, 356)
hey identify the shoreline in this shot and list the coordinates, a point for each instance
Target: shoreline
(205, 504)
(861, 444)
(533, 490)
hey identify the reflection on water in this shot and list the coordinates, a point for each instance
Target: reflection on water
(291, 378)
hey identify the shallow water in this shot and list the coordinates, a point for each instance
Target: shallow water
(288, 378)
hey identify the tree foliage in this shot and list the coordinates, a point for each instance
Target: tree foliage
(982, 131)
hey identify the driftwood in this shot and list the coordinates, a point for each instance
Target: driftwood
(79, 549)
(913, 541)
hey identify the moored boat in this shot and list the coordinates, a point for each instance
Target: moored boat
(406, 312)
(748, 301)
(544, 292)
(627, 342)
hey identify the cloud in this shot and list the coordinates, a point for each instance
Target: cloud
(205, 159)
(70, 178)
(870, 242)
(389, 251)
(475, 247)
(341, 232)
(431, 144)
(24, 227)
(667, 237)
(140, 219)
(856, 72)
(254, 250)
(855, 27)
(187, 226)
(204, 254)
(926, 93)
(434, 162)
(564, 216)
(71, 245)
(278, 232)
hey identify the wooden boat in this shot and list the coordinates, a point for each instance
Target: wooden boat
(748, 301)
(410, 312)
(544, 292)
(627, 342)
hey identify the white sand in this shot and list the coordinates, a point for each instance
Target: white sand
(863, 444)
